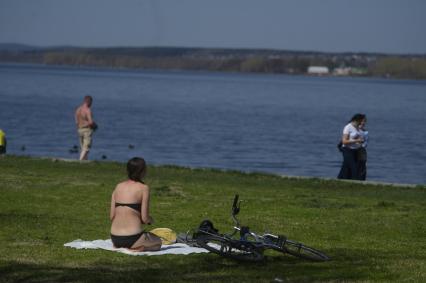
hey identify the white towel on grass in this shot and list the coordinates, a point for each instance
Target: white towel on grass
(178, 248)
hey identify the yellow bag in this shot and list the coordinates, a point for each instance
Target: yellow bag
(167, 236)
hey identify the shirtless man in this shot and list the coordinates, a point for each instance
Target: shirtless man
(85, 125)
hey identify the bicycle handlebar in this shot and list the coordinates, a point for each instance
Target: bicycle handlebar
(235, 210)
(235, 202)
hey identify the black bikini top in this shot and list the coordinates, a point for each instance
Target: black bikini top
(135, 206)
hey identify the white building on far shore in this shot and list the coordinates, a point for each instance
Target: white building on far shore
(318, 70)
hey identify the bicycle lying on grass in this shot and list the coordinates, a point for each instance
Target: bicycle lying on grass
(249, 246)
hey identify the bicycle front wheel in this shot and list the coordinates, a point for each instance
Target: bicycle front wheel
(284, 245)
(230, 248)
(300, 250)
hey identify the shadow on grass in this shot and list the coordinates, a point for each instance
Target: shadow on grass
(201, 268)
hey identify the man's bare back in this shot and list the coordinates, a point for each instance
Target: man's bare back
(83, 116)
(85, 125)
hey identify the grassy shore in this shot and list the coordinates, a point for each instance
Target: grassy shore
(373, 233)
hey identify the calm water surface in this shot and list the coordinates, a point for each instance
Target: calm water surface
(271, 123)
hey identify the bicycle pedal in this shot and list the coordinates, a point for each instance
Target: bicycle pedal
(281, 240)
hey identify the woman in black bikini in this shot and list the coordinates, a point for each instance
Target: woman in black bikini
(130, 211)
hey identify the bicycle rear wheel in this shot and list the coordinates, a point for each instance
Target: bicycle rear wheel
(230, 248)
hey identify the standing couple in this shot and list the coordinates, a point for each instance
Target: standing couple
(353, 147)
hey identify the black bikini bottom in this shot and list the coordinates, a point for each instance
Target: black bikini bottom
(125, 241)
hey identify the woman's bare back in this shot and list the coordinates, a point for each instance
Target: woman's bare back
(127, 220)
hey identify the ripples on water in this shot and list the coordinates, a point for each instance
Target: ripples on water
(272, 123)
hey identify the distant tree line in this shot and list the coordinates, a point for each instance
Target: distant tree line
(260, 61)
(260, 64)
(396, 67)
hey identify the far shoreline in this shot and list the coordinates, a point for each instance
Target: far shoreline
(185, 71)
(269, 61)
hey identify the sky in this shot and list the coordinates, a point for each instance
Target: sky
(385, 26)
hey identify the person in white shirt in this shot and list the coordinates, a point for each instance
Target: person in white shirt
(352, 140)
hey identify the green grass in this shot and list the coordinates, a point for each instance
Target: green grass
(373, 233)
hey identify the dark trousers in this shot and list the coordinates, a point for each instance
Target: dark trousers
(350, 166)
(362, 170)
(362, 163)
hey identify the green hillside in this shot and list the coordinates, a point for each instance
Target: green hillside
(374, 233)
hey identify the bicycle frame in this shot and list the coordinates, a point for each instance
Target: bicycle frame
(259, 239)
(237, 228)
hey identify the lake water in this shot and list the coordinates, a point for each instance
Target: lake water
(287, 125)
